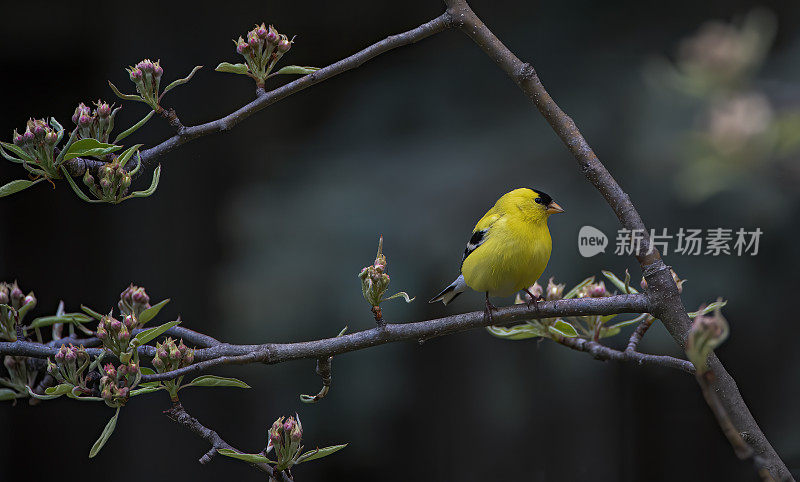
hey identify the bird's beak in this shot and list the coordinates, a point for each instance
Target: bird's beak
(554, 208)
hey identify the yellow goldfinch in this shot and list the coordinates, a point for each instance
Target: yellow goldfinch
(509, 247)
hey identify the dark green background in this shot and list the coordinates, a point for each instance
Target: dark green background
(257, 236)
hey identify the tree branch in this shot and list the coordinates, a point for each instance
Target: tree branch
(602, 352)
(662, 289)
(186, 134)
(179, 415)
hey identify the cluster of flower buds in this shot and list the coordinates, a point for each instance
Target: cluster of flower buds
(284, 436)
(113, 184)
(374, 279)
(116, 335)
(133, 301)
(97, 123)
(38, 142)
(594, 290)
(116, 383)
(70, 363)
(261, 50)
(14, 305)
(553, 292)
(707, 333)
(146, 75)
(171, 356)
(19, 371)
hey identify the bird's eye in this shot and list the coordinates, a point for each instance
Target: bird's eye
(539, 200)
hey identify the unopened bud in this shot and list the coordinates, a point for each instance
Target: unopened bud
(157, 71)
(707, 333)
(116, 326)
(16, 293)
(103, 110)
(284, 44)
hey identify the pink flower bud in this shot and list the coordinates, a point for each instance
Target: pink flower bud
(133, 368)
(157, 71)
(124, 334)
(110, 370)
(62, 352)
(101, 333)
(29, 299)
(70, 356)
(284, 44)
(84, 120)
(129, 321)
(158, 363)
(116, 326)
(261, 31)
(105, 184)
(288, 425)
(103, 110)
(27, 136)
(4, 296)
(51, 137)
(272, 35)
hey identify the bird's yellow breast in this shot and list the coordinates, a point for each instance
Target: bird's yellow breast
(513, 256)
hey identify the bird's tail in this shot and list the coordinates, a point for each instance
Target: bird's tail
(448, 294)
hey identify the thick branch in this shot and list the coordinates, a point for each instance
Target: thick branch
(271, 353)
(662, 289)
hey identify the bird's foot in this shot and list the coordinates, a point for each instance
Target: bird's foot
(533, 301)
(487, 314)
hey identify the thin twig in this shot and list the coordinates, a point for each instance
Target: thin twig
(638, 333)
(179, 415)
(602, 352)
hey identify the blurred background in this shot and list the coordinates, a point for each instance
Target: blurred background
(257, 234)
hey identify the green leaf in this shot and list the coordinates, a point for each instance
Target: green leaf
(632, 321)
(147, 371)
(124, 96)
(97, 316)
(151, 312)
(574, 291)
(126, 155)
(148, 335)
(232, 68)
(153, 184)
(619, 283)
(18, 151)
(43, 321)
(397, 295)
(72, 136)
(296, 69)
(110, 426)
(16, 186)
(75, 187)
(563, 328)
(135, 127)
(180, 81)
(52, 392)
(708, 309)
(146, 389)
(215, 381)
(7, 394)
(89, 147)
(517, 332)
(10, 157)
(252, 458)
(319, 453)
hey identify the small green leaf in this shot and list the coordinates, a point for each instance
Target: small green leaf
(124, 96)
(135, 127)
(97, 316)
(215, 381)
(574, 291)
(632, 321)
(52, 392)
(75, 187)
(126, 155)
(147, 371)
(110, 426)
(18, 151)
(146, 389)
(563, 328)
(708, 309)
(518, 332)
(178, 82)
(7, 394)
(296, 69)
(58, 389)
(16, 186)
(153, 184)
(148, 335)
(319, 453)
(232, 68)
(10, 157)
(252, 458)
(89, 147)
(72, 136)
(397, 295)
(151, 312)
(43, 321)
(619, 283)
